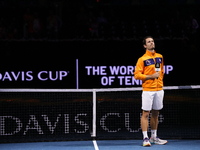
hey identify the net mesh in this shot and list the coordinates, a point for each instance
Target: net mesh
(119, 115)
(48, 116)
(70, 115)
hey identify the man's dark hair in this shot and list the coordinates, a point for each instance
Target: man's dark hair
(144, 39)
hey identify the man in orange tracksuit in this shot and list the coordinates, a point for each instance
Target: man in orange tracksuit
(152, 95)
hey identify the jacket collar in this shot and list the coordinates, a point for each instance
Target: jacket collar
(150, 53)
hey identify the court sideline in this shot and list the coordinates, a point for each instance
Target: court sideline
(102, 145)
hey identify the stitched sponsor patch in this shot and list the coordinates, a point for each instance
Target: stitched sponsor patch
(149, 62)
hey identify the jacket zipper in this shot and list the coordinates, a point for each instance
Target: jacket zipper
(158, 77)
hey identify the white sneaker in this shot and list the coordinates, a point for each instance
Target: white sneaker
(158, 141)
(146, 142)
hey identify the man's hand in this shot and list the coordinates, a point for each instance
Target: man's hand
(153, 76)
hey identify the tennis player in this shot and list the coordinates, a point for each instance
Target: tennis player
(152, 95)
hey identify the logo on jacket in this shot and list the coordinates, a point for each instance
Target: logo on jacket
(148, 62)
(158, 60)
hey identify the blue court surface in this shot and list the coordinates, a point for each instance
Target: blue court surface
(102, 145)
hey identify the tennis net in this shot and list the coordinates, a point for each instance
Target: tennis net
(82, 114)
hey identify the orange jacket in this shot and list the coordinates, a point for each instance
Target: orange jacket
(146, 66)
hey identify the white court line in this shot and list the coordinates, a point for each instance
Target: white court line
(95, 145)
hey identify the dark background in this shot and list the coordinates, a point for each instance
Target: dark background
(54, 56)
(50, 35)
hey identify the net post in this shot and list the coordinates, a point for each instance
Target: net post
(94, 115)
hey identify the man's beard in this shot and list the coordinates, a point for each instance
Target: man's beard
(152, 48)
